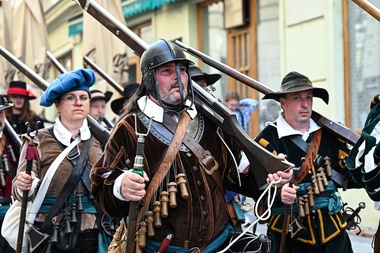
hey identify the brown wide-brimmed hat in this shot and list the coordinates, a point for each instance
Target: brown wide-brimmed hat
(296, 82)
(18, 88)
(197, 74)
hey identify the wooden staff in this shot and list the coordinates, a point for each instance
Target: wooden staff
(30, 156)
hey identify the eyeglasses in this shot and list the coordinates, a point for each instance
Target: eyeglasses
(72, 99)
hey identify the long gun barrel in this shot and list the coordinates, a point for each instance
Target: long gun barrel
(336, 128)
(100, 133)
(263, 161)
(103, 74)
(14, 141)
(56, 63)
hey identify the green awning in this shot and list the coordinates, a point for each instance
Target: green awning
(131, 8)
(75, 25)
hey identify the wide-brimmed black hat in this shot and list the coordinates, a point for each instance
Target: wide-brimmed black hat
(18, 88)
(129, 90)
(4, 104)
(197, 74)
(296, 82)
(98, 95)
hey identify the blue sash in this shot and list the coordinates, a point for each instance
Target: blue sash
(152, 246)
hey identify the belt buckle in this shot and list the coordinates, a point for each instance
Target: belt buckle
(205, 161)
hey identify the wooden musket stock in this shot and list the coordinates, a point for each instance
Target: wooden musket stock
(100, 133)
(336, 128)
(210, 106)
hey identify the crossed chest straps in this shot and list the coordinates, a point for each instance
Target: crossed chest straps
(164, 132)
(320, 170)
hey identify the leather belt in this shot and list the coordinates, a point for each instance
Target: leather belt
(206, 160)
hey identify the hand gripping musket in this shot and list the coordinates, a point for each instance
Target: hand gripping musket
(138, 168)
(336, 128)
(263, 161)
(100, 133)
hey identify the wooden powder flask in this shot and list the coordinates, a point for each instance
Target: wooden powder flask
(306, 206)
(137, 247)
(321, 171)
(320, 183)
(315, 184)
(311, 196)
(142, 236)
(301, 204)
(164, 204)
(172, 189)
(157, 214)
(181, 181)
(150, 224)
(328, 166)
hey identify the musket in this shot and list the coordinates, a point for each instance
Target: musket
(100, 133)
(103, 74)
(14, 141)
(337, 129)
(260, 158)
(109, 124)
(56, 63)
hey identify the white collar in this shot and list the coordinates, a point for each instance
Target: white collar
(156, 112)
(64, 136)
(284, 129)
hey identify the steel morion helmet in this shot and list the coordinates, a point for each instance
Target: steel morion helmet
(159, 53)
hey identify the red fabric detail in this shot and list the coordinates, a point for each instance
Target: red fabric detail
(31, 152)
(164, 245)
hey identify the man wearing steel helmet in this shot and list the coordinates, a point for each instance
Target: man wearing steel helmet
(199, 220)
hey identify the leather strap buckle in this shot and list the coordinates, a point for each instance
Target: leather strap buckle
(208, 162)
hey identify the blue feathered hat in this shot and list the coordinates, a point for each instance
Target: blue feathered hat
(80, 79)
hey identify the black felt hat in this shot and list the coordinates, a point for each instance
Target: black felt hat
(197, 74)
(4, 104)
(129, 90)
(18, 88)
(296, 82)
(98, 95)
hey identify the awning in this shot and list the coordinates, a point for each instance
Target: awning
(134, 7)
(75, 25)
(129, 8)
